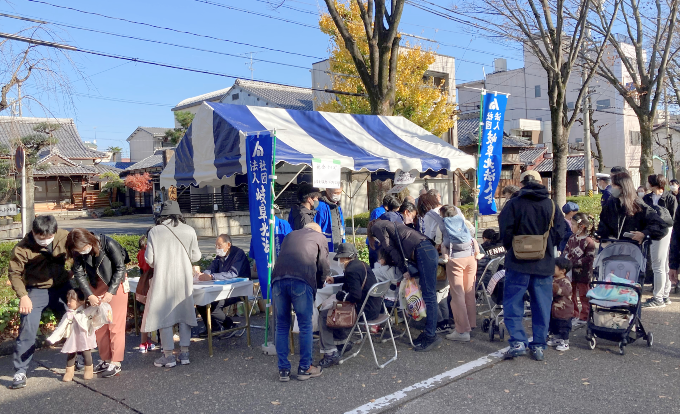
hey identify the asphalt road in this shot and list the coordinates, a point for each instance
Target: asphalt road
(459, 377)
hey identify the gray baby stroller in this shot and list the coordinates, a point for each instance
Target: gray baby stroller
(490, 300)
(615, 320)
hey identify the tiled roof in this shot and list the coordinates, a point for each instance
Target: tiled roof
(215, 96)
(530, 156)
(467, 135)
(54, 170)
(287, 97)
(121, 165)
(154, 131)
(68, 139)
(102, 168)
(574, 163)
(153, 161)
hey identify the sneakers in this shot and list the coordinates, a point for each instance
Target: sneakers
(667, 301)
(330, 359)
(552, 341)
(184, 358)
(101, 367)
(444, 328)
(166, 361)
(111, 371)
(284, 375)
(653, 303)
(419, 339)
(428, 343)
(461, 337)
(19, 381)
(563, 346)
(537, 354)
(147, 346)
(516, 350)
(312, 372)
(576, 322)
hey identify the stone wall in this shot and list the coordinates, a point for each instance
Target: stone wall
(232, 223)
(10, 231)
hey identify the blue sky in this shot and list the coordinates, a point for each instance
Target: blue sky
(116, 97)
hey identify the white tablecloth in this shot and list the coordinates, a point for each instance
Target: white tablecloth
(207, 292)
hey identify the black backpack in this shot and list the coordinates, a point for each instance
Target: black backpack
(665, 216)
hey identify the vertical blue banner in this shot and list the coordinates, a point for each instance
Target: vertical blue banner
(259, 157)
(490, 155)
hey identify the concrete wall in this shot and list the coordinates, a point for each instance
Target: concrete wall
(10, 231)
(232, 223)
(141, 146)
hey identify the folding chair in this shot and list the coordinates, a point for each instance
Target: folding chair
(395, 312)
(379, 290)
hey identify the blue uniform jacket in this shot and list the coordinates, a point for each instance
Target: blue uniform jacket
(377, 212)
(281, 230)
(323, 219)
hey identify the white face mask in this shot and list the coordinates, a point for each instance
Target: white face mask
(86, 250)
(220, 252)
(335, 198)
(641, 194)
(616, 192)
(674, 188)
(44, 242)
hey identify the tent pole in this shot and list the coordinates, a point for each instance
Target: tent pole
(289, 182)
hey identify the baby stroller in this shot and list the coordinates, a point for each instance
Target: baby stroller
(491, 298)
(618, 320)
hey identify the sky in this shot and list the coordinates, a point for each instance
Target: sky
(112, 97)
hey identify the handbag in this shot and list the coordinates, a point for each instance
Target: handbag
(410, 266)
(532, 247)
(344, 314)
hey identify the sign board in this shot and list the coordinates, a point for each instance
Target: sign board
(326, 173)
(402, 179)
(8, 210)
(20, 158)
(490, 155)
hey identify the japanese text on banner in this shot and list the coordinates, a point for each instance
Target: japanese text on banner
(259, 157)
(490, 154)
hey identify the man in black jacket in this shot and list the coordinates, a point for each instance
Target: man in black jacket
(356, 282)
(531, 212)
(301, 268)
(304, 212)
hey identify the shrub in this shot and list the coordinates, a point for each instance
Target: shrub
(126, 210)
(116, 204)
(131, 244)
(108, 212)
(17, 218)
(589, 205)
(5, 249)
(360, 220)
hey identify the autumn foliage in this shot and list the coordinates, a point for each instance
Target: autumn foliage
(139, 182)
(417, 99)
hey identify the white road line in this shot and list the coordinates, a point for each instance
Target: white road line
(428, 383)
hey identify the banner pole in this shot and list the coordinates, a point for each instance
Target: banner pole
(272, 224)
(479, 149)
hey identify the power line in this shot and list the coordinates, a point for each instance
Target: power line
(212, 3)
(173, 30)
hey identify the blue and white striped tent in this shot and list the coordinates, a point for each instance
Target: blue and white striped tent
(213, 149)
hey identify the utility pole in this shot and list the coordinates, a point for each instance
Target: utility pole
(250, 65)
(586, 138)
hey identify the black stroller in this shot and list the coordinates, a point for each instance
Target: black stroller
(615, 320)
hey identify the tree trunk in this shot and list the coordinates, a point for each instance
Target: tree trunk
(646, 154)
(599, 156)
(560, 153)
(376, 192)
(30, 197)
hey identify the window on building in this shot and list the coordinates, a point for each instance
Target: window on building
(603, 104)
(579, 140)
(537, 91)
(570, 105)
(234, 97)
(506, 174)
(527, 134)
(635, 138)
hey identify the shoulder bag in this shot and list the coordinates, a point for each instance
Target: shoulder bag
(180, 242)
(410, 266)
(344, 314)
(532, 247)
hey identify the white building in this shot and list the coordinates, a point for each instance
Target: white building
(528, 115)
(144, 141)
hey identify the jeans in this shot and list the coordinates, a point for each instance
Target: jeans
(218, 317)
(298, 294)
(167, 336)
(659, 256)
(426, 260)
(540, 290)
(55, 299)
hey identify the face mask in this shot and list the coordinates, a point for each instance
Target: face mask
(601, 187)
(616, 192)
(641, 194)
(335, 198)
(44, 242)
(316, 204)
(220, 252)
(86, 250)
(674, 188)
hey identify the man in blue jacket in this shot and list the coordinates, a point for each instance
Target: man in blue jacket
(531, 212)
(329, 217)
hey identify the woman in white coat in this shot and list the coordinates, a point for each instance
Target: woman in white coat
(171, 248)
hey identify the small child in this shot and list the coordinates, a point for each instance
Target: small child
(580, 251)
(146, 344)
(384, 270)
(562, 307)
(74, 327)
